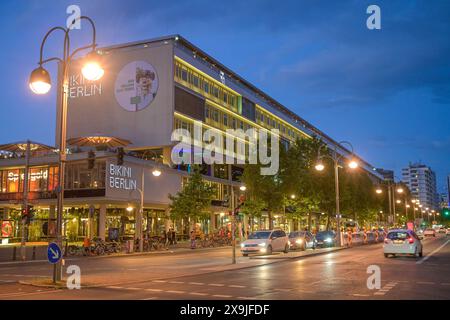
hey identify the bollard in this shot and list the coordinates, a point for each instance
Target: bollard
(14, 253)
(34, 253)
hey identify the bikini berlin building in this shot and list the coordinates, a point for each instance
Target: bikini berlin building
(150, 88)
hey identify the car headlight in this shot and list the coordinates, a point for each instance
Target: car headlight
(328, 240)
(299, 241)
(242, 245)
(262, 244)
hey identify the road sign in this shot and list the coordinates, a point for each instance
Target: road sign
(54, 253)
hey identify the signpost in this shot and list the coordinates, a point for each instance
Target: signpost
(54, 253)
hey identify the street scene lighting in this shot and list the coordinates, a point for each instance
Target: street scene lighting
(40, 82)
(400, 190)
(92, 69)
(242, 188)
(156, 172)
(379, 191)
(353, 164)
(319, 166)
(130, 208)
(292, 196)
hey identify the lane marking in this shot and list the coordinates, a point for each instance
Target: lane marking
(221, 296)
(114, 287)
(247, 298)
(159, 281)
(424, 282)
(361, 295)
(151, 298)
(216, 284)
(197, 283)
(198, 294)
(133, 288)
(175, 291)
(379, 293)
(153, 290)
(433, 252)
(445, 284)
(177, 282)
(235, 286)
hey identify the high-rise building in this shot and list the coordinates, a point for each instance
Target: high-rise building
(421, 181)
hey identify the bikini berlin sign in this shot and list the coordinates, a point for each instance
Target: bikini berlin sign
(120, 177)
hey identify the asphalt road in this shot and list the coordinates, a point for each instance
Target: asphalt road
(337, 275)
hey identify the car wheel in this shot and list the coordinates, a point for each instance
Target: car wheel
(386, 255)
(245, 254)
(269, 250)
(286, 249)
(421, 253)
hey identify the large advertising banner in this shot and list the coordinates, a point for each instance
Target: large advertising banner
(133, 100)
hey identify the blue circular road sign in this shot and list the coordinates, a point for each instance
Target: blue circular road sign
(54, 253)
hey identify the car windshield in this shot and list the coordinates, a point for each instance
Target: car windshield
(296, 234)
(324, 234)
(397, 235)
(259, 235)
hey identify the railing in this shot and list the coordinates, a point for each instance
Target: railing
(75, 193)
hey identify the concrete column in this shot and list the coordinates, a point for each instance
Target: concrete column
(167, 221)
(212, 218)
(102, 222)
(52, 212)
(167, 160)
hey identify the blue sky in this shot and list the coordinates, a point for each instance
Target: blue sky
(387, 91)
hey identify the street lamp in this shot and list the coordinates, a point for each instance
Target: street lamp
(156, 172)
(292, 196)
(336, 159)
(40, 83)
(242, 188)
(379, 191)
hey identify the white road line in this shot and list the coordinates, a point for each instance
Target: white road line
(424, 282)
(216, 284)
(360, 295)
(235, 286)
(153, 290)
(433, 252)
(133, 288)
(445, 284)
(247, 298)
(197, 283)
(198, 293)
(221, 296)
(379, 293)
(160, 281)
(175, 291)
(177, 282)
(114, 287)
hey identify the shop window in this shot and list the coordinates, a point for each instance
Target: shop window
(225, 120)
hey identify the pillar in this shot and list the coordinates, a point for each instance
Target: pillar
(102, 222)
(212, 218)
(167, 221)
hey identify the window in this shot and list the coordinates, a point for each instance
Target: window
(184, 75)
(195, 81)
(207, 114)
(225, 120)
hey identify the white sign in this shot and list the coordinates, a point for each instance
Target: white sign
(120, 177)
(136, 86)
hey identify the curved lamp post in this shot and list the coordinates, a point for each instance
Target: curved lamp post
(337, 158)
(40, 83)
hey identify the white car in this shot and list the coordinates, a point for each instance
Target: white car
(429, 232)
(265, 242)
(447, 232)
(402, 241)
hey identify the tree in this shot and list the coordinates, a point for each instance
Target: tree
(194, 200)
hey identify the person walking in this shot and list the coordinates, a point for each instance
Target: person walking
(87, 246)
(193, 236)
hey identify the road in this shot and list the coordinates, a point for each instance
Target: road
(202, 275)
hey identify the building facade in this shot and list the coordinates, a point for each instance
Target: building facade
(421, 181)
(150, 89)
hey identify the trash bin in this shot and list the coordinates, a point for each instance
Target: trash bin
(130, 246)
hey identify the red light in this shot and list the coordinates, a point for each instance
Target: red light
(411, 240)
(386, 241)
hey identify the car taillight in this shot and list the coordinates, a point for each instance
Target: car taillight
(386, 241)
(410, 240)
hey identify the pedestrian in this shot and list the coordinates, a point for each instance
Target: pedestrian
(193, 236)
(174, 236)
(87, 246)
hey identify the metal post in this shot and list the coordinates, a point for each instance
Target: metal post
(25, 202)
(338, 213)
(141, 212)
(390, 198)
(233, 221)
(64, 91)
(393, 204)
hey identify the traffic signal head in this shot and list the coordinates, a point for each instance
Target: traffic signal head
(120, 154)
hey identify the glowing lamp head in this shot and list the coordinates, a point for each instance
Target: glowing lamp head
(400, 190)
(40, 82)
(353, 164)
(242, 188)
(92, 70)
(129, 208)
(156, 173)
(292, 196)
(379, 191)
(319, 166)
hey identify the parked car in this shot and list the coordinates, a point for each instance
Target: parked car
(419, 233)
(265, 242)
(402, 241)
(442, 230)
(326, 239)
(447, 232)
(301, 240)
(429, 232)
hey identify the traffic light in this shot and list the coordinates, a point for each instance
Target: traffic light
(446, 213)
(28, 214)
(91, 160)
(120, 154)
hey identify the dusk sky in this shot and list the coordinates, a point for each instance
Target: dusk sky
(387, 91)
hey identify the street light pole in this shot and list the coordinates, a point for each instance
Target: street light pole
(40, 83)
